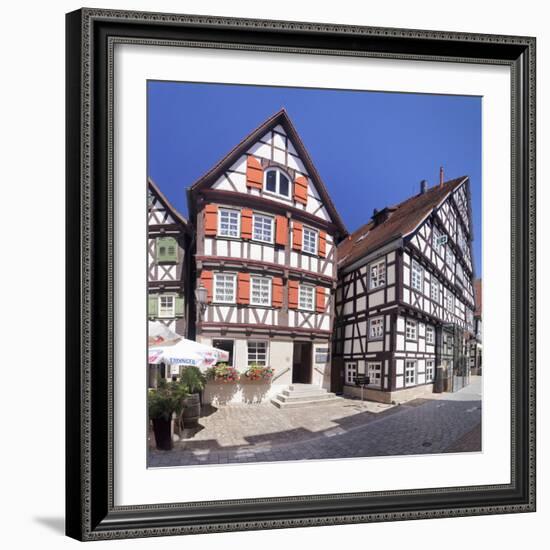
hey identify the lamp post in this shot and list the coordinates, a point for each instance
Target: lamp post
(201, 295)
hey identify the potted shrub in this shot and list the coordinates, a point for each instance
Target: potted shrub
(162, 403)
(258, 372)
(222, 372)
(194, 381)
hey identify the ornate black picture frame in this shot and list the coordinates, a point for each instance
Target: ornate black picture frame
(91, 513)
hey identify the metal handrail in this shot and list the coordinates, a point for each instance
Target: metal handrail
(280, 374)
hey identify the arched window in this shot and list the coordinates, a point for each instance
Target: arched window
(277, 182)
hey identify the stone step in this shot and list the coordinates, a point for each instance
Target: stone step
(303, 387)
(314, 391)
(303, 396)
(307, 403)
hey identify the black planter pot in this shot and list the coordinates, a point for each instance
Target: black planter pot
(192, 410)
(163, 434)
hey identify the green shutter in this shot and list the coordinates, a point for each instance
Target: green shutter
(153, 308)
(167, 249)
(179, 306)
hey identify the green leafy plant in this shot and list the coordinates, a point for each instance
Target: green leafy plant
(166, 399)
(193, 378)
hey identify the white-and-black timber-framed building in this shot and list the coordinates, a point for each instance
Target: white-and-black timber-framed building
(405, 299)
(476, 343)
(266, 238)
(169, 265)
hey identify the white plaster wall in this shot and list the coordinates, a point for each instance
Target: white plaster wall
(244, 391)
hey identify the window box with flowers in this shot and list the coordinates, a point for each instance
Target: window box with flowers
(257, 372)
(223, 373)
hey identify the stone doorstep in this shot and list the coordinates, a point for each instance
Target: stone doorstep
(304, 397)
(310, 391)
(305, 403)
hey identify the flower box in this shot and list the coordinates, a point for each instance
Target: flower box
(223, 373)
(258, 372)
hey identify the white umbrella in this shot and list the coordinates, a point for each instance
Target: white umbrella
(159, 333)
(186, 352)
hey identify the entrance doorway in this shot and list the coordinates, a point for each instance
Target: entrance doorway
(301, 363)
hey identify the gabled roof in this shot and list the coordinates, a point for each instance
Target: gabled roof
(478, 297)
(279, 118)
(403, 219)
(166, 203)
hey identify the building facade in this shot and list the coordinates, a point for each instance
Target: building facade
(169, 265)
(404, 300)
(266, 237)
(476, 346)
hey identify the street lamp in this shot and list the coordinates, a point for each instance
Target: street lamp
(201, 294)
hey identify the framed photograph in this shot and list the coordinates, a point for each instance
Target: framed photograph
(300, 274)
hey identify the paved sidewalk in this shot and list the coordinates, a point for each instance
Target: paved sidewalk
(351, 428)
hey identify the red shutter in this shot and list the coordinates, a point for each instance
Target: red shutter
(207, 278)
(243, 288)
(281, 232)
(211, 219)
(321, 299)
(254, 173)
(277, 292)
(322, 244)
(293, 294)
(246, 223)
(300, 189)
(297, 236)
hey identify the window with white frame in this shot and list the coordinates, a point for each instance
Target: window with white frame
(377, 274)
(437, 242)
(260, 291)
(309, 240)
(430, 370)
(277, 182)
(262, 228)
(225, 345)
(434, 289)
(228, 224)
(451, 258)
(461, 239)
(376, 328)
(410, 372)
(374, 372)
(351, 373)
(417, 274)
(449, 301)
(411, 330)
(166, 306)
(225, 287)
(430, 335)
(257, 352)
(306, 298)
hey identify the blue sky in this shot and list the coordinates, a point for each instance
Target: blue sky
(370, 148)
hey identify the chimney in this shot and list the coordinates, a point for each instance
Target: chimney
(441, 176)
(423, 186)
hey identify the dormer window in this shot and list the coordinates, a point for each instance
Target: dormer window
(277, 182)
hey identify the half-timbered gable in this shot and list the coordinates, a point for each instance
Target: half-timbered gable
(168, 264)
(267, 233)
(406, 270)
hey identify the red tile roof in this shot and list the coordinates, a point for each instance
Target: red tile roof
(403, 219)
(478, 297)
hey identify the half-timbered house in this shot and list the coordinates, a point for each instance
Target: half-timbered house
(266, 236)
(168, 265)
(404, 302)
(476, 347)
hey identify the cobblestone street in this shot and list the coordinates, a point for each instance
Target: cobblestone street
(350, 428)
